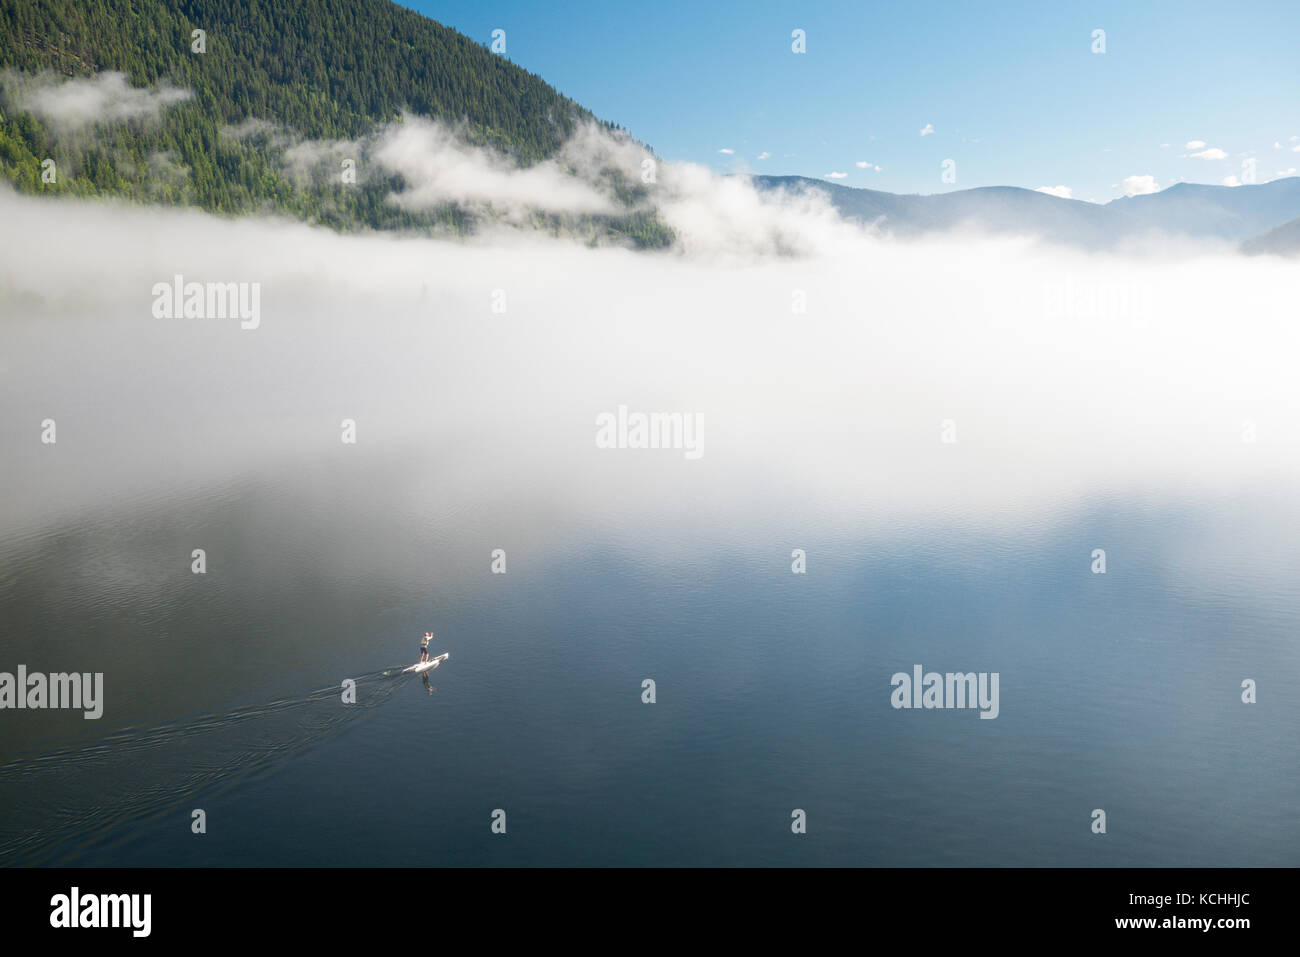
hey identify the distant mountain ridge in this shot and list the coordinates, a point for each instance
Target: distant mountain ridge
(1230, 213)
(1283, 241)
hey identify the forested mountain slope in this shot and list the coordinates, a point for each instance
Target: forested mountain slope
(322, 69)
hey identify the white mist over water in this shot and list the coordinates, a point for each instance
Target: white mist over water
(825, 378)
(1068, 378)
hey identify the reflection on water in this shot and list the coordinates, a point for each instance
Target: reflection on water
(63, 802)
(1118, 691)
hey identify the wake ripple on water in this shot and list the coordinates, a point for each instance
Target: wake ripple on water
(60, 803)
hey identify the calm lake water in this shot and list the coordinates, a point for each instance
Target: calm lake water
(1116, 691)
(1119, 691)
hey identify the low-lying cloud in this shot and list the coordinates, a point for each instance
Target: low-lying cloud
(722, 217)
(74, 104)
(440, 168)
(827, 380)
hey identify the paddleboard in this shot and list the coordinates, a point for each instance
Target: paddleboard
(424, 666)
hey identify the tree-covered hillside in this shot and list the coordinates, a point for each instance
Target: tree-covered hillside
(323, 69)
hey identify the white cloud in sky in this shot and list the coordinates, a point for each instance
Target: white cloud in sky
(862, 164)
(764, 155)
(1231, 181)
(1062, 192)
(1213, 153)
(1195, 145)
(1140, 185)
(727, 152)
(1286, 172)
(927, 129)
(836, 175)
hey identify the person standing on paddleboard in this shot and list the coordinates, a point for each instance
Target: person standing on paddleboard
(424, 646)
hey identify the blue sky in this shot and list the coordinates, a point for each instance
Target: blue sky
(1013, 92)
